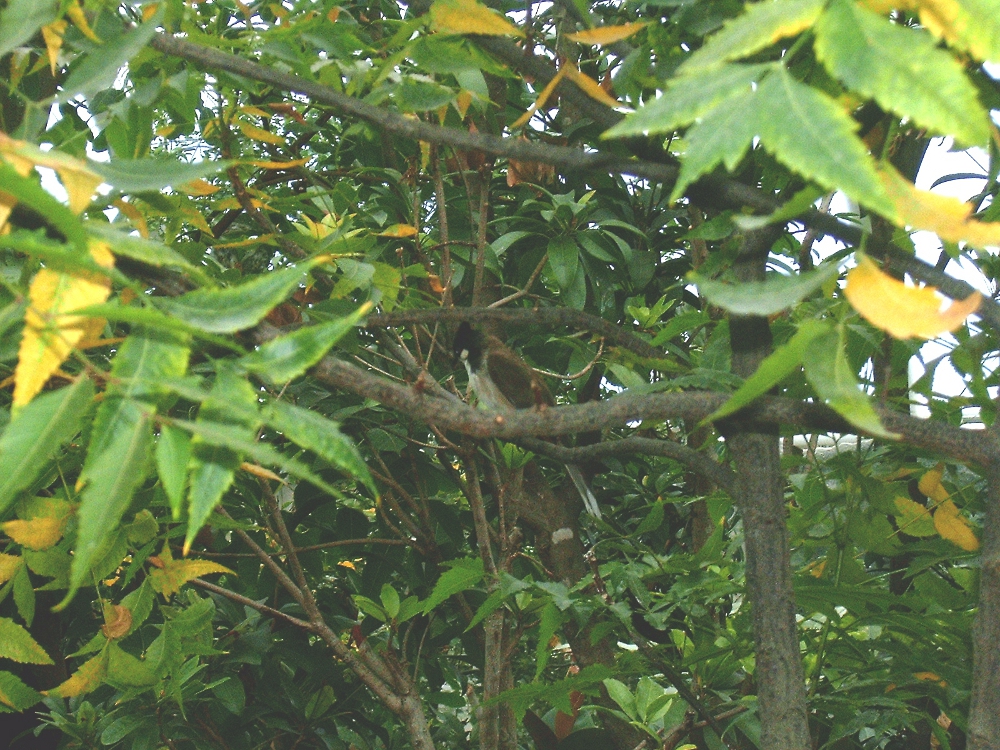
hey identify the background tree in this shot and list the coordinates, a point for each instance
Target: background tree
(239, 239)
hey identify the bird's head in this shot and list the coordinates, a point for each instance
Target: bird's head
(468, 345)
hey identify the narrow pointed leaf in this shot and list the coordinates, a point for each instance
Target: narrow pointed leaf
(768, 297)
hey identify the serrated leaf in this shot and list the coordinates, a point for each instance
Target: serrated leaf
(320, 435)
(140, 175)
(913, 518)
(767, 297)
(815, 138)
(604, 35)
(15, 694)
(760, 26)
(50, 329)
(464, 574)
(232, 402)
(17, 644)
(99, 68)
(902, 69)
(777, 366)
(548, 622)
(173, 453)
(28, 191)
(87, 678)
(687, 98)
(951, 525)
(949, 218)
(469, 17)
(24, 596)
(900, 310)
(287, 357)
(973, 25)
(36, 433)
(830, 374)
(36, 533)
(21, 19)
(175, 573)
(115, 467)
(930, 484)
(9, 565)
(145, 251)
(238, 307)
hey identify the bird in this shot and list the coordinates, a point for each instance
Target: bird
(503, 382)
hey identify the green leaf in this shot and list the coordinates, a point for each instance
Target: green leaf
(21, 19)
(762, 25)
(122, 726)
(117, 462)
(36, 433)
(767, 297)
(17, 644)
(420, 94)
(13, 692)
(24, 596)
(550, 620)
(320, 435)
(687, 98)
(902, 69)
(722, 135)
(28, 191)
(140, 175)
(145, 251)
(370, 608)
(99, 69)
(815, 138)
(173, 452)
(238, 307)
(621, 695)
(776, 367)
(232, 402)
(564, 260)
(836, 383)
(409, 607)
(390, 600)
(286, 357)
(464, 574)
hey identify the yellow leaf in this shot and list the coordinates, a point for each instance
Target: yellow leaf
(260, 471)
(542, 98)
(200, 187)
(9, 565)
(75, 174)
(148, 11)
(951, 525)
(930, 484)
(952, 21)
(930, 677)
(462, 102)
(280, 164)
(117, 621)
(169, 575)
(259, 134)
(469, 17)
(53, 35)
(817, 570)
(79, 19)
(400, 231)
(88, 677)
(589, 86)
(251, 110)
(165, 131)
(36, 534)
(913, 518)
(606, 34)
(50, 330)
(947, 217)
(133, 215)
(903, 311)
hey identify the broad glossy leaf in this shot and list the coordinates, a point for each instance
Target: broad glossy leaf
(17, 644)
(621, 695)
(760, 26)
(900, 310)
(36, 433)
(469, 17)
(564, 260)
(320, 435)
(767, 297)
(99, 68)
(463, 575)
(830, 374)
(902, 69)
(776, 367)
(21, 19)
(116, 465)
(287, 357)
(815, 138)
(687, 98)
(237, 307)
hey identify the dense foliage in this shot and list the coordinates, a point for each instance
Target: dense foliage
(246, 500)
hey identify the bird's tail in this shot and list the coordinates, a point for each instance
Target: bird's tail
(589, 501)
